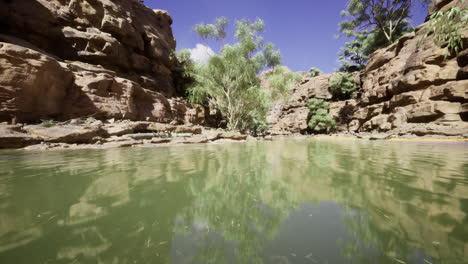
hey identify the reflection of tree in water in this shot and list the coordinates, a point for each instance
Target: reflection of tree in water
(240, 207)
(123, 206)
(119, 206)
(404, 208)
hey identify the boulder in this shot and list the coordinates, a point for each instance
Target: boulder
(123, 128)
(12, 136)
(233, 136)
(158, 140)
(65, 133)
(158, 127)
(197, 139)
(212, 135)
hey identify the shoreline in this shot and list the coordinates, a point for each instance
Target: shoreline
(95, 134)
(394, 139)
(195, 140)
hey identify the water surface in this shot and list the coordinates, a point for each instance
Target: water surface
(287, 201)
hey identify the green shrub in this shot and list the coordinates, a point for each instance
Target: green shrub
(316, 104)
(47, 123)
(320, 120)
(281, 81)
(448, 27)
(314, 72)
(342, 85)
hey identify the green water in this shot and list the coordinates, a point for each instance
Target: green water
(288, 201)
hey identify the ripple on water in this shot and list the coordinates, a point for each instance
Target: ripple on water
(286, 201)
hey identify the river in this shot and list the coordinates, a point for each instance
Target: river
(286, 201)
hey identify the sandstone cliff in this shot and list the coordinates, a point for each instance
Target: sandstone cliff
(410, 87)
(61, 59)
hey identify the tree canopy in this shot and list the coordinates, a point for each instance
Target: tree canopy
(372, 24)
(230, 82)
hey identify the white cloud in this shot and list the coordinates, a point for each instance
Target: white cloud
(201, 53)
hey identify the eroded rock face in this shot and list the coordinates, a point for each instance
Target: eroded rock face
(290, 116)
(412, 86)
(62, 59)
(122, 35)
(32, 85)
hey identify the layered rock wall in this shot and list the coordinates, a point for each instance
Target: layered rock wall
(61, 59)
(410, 87)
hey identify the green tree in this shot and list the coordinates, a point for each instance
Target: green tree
(389, 17)
(183, 57)
(229, 81)
(320, 120)
(355, 54)
(314, 72)
(215, 31)
(372, 24)
(342, 85)
(281, 80)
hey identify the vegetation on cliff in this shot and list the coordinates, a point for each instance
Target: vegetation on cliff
(320, 121)
(342, 85)
(314, 72)
(447, 27)
(372, 25)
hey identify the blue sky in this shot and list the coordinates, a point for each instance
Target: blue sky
(303, 30)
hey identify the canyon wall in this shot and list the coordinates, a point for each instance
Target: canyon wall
(62, 59)
(411, 87)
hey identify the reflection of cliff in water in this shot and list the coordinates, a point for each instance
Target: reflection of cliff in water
(414, 196)
(112, 205)
(226, 202)
(122, 205)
